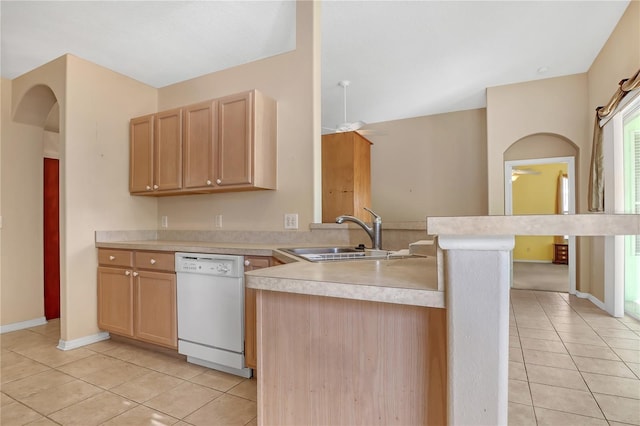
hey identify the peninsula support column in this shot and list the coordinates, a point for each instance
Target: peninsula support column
(477, 277)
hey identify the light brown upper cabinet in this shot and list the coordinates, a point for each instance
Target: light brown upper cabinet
(228, 144)
(141, 154)
(200, 144)
(346, 176)
(246, 142)
(156, 153)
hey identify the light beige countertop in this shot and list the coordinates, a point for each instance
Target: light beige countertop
(571, 224)
(411, 281)
(240, 249)
(408, 281)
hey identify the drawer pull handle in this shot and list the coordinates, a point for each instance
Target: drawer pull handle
(112, 257)
(127, 273)
(152, 261)
(247, 263)
(135, 274)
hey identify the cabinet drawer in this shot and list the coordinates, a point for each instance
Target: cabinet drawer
(155, 260)
(108, 257)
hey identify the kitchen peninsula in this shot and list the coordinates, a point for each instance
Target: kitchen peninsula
(372, 352)
(368, 342)
(323, 359)
(373, 371)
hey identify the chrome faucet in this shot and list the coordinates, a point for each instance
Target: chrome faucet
(375, 232)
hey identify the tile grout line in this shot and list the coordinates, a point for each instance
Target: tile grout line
(574, 361)
(102, 389)
(606, 345)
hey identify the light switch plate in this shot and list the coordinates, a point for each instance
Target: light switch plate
(218, 221)
(164, 222)
(291, 221)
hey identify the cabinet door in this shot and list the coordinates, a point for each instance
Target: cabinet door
(235, 140)
(346, 176)
(168, 150)
(155, 313)
(141, 154)
(200, 144)
(115, 300)
(251, 263)
(250, 337)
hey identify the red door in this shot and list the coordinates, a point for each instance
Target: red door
(51, 239)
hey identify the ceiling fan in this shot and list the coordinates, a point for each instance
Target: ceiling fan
(346, 126)
(516, 173)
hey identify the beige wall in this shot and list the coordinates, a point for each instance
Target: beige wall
(21, 193)
(551, 106)
(564, 106)
(21, 276)
(96, 161)
(95, 106)
(429, 166)
(291, 80)
(540, 146)
(618, 59)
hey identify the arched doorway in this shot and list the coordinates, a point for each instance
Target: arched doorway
(39, 107)
(540, 179)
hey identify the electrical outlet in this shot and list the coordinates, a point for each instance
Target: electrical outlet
(164, 222)
(291, 221)
(218, 221)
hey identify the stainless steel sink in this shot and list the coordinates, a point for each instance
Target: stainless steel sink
(324, 254)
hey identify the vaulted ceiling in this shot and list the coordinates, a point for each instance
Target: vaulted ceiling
(403, 58)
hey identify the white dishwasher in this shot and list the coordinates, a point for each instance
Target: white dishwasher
(211, 311)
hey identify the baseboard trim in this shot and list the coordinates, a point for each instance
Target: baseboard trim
(22, 325)
(67, 345)
(592, 299)
(532, 261)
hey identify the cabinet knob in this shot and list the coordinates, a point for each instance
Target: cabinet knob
(155, 187)
(127, 273)
(148, 188)
(218, 181)
(152, 261)
(112, 257)
(135, 274)
(247, 263)
(209, 182)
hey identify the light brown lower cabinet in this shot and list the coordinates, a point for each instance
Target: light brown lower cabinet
(252, 263)
(331, 361)
(155, 309)
(137, 295)
(115, 300)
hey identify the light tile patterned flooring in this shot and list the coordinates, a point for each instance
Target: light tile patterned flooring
(113, 383)
(570, 364)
